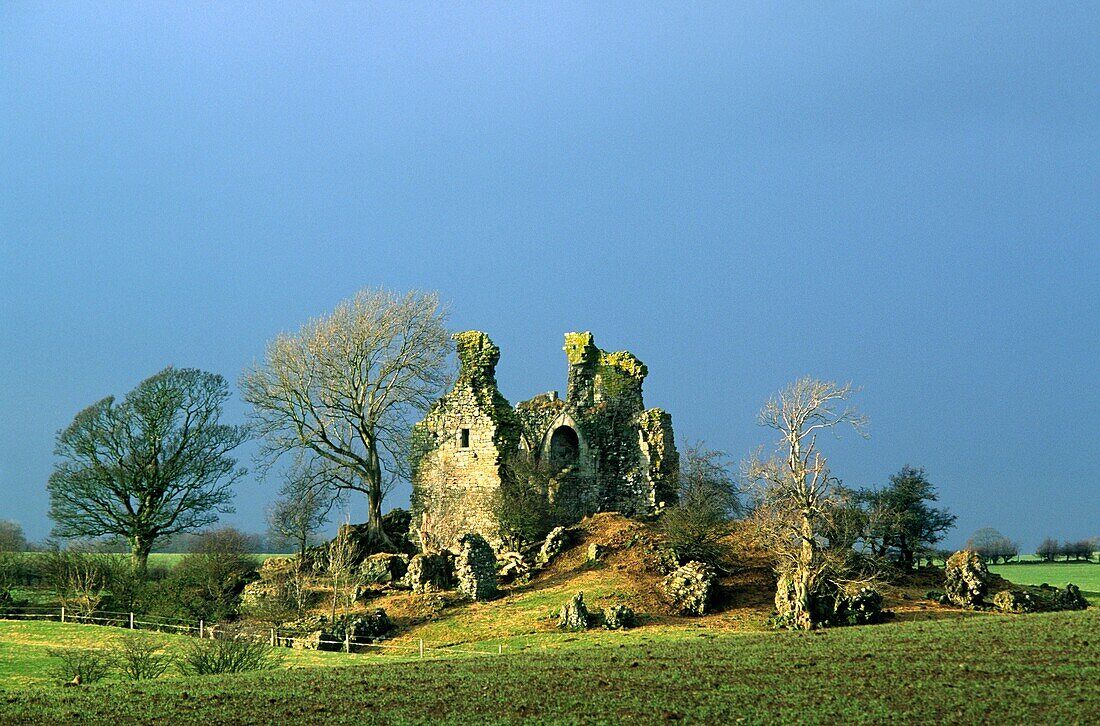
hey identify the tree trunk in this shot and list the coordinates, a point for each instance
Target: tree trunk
(376, 541)
(803, 587)
(139, 554)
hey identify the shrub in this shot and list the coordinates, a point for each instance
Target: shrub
(80, 665)
(233, 654)
(77, 577)
(521, 506)
(141, 658)
(698, 524)
(207, 584)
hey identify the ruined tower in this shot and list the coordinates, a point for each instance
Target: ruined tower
(606, 450)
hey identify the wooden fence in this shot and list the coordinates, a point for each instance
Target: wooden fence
(200, 629)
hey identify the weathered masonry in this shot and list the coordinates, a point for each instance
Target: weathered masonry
(604, 449)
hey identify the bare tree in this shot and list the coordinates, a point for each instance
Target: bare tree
(697, 525)
(340, 568)
(152, 466)
(346, 389)
(1048, 550)
(306, 499)
(12, 538)
(796, 493)
(991, 545)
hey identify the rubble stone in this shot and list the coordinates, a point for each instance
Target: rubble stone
(430, 573)
(690, 589)
(476, 568)
(574, 614)
(966, 579)
(619, 617)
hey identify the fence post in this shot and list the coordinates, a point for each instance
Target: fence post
(131, 621)
(421, 647)
(273, 637)
(500, 648)
(347, 641)
(200, 629)
(62, 613)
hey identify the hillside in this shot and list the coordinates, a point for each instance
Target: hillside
(626, 575)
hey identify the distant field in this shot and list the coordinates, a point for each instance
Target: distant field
(166, 559)
(24, 646)
(1086, 575)
(171, 559)
(980, 669)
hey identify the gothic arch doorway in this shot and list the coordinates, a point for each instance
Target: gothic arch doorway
(565, 447)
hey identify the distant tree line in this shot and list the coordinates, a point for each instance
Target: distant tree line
(13, 539)
(991, 545)
(1079, 551)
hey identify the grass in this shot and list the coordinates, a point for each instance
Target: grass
(1086, 575)
(24, 646)
(1038, 668)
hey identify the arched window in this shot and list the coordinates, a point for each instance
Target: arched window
(565, 447)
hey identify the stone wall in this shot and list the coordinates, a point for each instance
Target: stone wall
(607, 452)
(458, 449)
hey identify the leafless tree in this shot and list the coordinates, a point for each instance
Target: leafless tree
(346, 389)
(12, 538)
(795, 491)
(305, 501)
(340, 569)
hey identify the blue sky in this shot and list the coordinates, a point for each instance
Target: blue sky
(906, 196)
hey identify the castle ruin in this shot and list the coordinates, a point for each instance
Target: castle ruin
(606, 451)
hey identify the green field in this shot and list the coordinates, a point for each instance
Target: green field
(1085, 575)
(167, 560)
(25, 661)
(1024, 669)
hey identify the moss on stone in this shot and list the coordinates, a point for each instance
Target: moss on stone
(580, 348)
(625, 362)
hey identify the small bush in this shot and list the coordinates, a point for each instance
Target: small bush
(697, 526)
(141, 658)
(80, 665)
(227, 655)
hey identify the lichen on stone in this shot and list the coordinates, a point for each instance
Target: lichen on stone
(617, 455)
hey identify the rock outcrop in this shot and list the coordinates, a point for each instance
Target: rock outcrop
(966, 579)
(554, 545)
(476, 568)
(690, 589)
(1039, 599)
(383, 568)
(574, 614)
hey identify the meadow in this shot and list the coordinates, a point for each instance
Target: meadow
(1015, 669)
(1085, 575)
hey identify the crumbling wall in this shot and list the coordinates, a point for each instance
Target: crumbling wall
(607, 452)
(458, 450)
(660, 455)
(635, 463)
